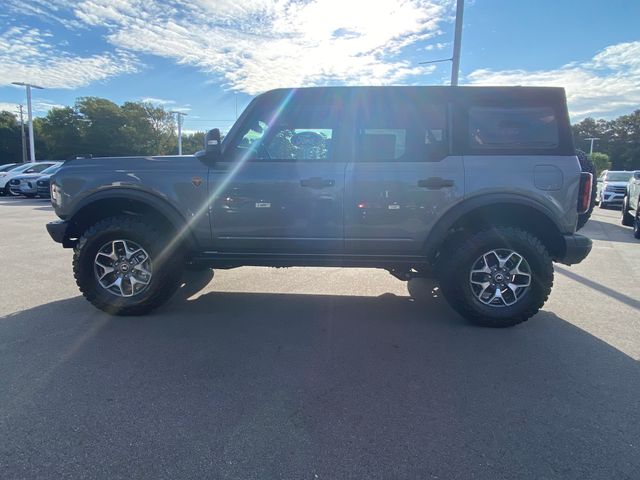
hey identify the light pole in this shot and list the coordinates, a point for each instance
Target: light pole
(593, 139)
(32, 148)
(457, 45)
(24, 140)
(179, 115)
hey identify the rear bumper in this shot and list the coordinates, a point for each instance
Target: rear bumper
(577, 247)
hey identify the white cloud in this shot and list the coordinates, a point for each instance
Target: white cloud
(606, 85)
(157, 101)
(28, 55)
(40, 107)
(257, 45)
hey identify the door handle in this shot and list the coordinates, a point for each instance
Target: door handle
(435, 183)
(317, 182)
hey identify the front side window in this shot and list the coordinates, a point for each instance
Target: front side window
(512, 128)
(296, 135)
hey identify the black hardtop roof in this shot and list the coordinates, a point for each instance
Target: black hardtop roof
(430, 89)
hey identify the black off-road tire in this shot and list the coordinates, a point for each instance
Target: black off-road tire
(457, 261)
(586, 165)
(166, 274)
(636, 223)
(627, 216)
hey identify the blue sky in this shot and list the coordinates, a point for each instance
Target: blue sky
(203, 56)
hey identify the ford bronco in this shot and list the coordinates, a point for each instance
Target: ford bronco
(478, 187)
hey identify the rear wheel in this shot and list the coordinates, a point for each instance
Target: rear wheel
(627, 217)
(498, 277)
(125, 266)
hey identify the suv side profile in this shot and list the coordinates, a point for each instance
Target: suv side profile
(631, 204)
(478, 187)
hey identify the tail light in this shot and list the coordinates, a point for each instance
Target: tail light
(584, 197)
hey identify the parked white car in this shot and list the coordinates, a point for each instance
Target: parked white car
(612, 186)
(35, 167)
(25, 183)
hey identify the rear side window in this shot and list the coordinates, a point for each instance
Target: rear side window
(513, 128)
(399, 131)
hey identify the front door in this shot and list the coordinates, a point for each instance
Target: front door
(279, 186)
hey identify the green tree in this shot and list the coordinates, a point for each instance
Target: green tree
(10, 138)
(625, 142)
(149, 130)
(102, 129)
(600, 161)
(191, 143)
(61, 132)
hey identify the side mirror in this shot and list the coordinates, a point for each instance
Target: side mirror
(212, 143)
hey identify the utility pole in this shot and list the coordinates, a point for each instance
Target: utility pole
(32, 148)
(457, 42)
(457, 45)
(179, 115)
(593, 139)
(24, 139)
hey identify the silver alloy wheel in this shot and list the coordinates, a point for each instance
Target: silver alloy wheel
(123, 268)
(500, 278)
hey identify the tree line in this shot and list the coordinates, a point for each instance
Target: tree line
(99, 127)
(618, 146)
(102, 128)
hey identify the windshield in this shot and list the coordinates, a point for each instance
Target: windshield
(4, 168)
(618, 176)
(21, 168)
(52, 169)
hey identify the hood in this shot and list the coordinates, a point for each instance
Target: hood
(615, 184)
(27, 176)
(46, 177)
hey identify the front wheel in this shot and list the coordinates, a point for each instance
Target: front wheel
(125, 266)
(498, 277)
(636, 223)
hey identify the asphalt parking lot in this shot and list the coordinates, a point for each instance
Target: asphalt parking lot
(321, 373)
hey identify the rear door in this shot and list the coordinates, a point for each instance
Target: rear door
(402, 178)
(280, 184)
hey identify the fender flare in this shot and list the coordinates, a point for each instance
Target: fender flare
(154, 201)
(443, 225)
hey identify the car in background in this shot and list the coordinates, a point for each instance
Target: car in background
(8, 166)
(26, 184)
(631, 204)
(44, 180)
(612, 186)
(32, 167)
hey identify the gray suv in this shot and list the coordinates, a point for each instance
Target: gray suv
(478, 187)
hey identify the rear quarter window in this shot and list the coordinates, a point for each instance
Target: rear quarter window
(513, 128)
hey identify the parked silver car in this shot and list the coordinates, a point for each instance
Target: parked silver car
(35, 167)
(26, 184)
(612, 186)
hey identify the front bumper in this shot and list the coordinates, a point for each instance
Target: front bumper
(58, 231)
(612, 198)
(577, 247)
